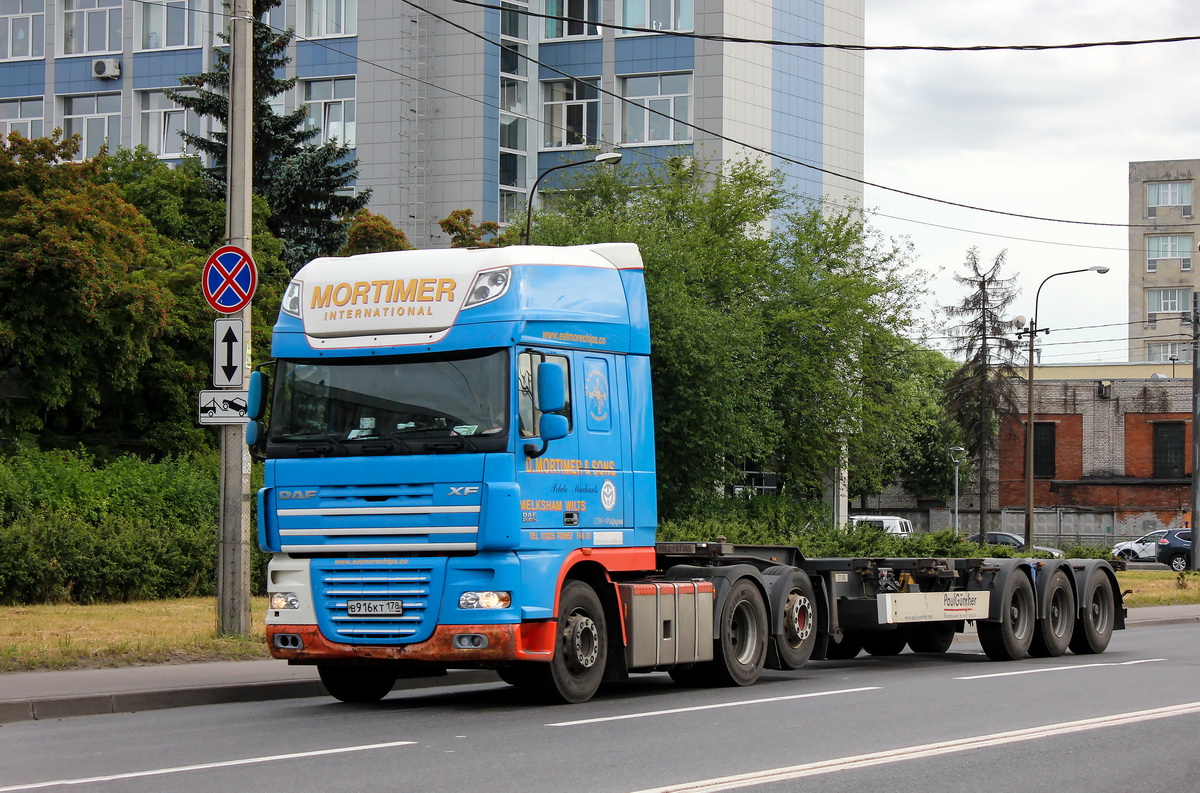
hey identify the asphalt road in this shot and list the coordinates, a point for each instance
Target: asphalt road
(1125, 720)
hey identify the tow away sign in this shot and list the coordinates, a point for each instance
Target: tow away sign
(223, 407)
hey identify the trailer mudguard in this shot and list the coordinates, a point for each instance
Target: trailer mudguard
(1002, 570)
(1082, 571)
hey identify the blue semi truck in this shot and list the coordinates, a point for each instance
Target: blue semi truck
(460, 473)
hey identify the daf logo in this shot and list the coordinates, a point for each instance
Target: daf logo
(463, 491)
(285, 495)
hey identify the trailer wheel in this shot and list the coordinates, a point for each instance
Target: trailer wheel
(1008, 638)
(931, 637)
(794, 645)
(1094, 626)
(849, 647)
(580, 647)
(1052, 635)
(357, 683)
(885, 642)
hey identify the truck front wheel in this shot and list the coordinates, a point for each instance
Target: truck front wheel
(357, 683)
(580, 646)
(1009, 638)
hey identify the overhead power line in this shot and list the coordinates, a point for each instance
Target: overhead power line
(821, 45)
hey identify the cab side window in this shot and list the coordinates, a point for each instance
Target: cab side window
(527, 367)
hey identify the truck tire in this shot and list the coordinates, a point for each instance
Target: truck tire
(356, 683)
(890, 642)
(793, 647)
(580, 647)
(1009, 638)
(1097, 616)
(849, 647)
(740, 652)
(931, 637)
(1052, 633)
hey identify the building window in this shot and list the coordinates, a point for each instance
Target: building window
(169, 23)
(571, 113)
(658, 110)
(1169, 449)
(22, 30)
(1168, 246)
(570, 18)
(658, 14)
(21, 115)
(1043, 449)
(1168, 194)
(91, 26)
(320, 18)
(96, 118)
(161, 122)
(1166, 301)
(1164, 352)
(514, 112)
(331, 108)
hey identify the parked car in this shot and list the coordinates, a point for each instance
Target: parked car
(1174, 549)
(1014, 542)
(1142, 548)
(889, 523)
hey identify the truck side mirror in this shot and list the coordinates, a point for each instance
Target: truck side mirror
(551, 427)
(551, 393)
(256, 400)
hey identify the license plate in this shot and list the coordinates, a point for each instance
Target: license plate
(374, 608)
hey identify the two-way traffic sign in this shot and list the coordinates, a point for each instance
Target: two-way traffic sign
(229, 349)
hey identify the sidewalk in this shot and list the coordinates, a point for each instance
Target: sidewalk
(26, 696)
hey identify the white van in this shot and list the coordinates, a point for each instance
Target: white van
(889, 523)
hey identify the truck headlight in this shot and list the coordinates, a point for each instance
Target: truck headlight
(489, 285)
(485, 600)
(284, 600)
(291, 299)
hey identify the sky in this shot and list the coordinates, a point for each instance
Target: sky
(1049, 134)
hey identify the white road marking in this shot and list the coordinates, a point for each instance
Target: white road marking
(205, 766)
(649, 713)
(1060, 668)
(923, 751)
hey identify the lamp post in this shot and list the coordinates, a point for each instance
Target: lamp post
(956, 457)
(1033, 332)
(607, 158)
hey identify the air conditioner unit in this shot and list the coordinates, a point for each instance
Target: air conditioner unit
(106, 68)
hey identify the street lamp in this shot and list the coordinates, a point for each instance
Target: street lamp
(956, 457)
(1033, 332)
(607, 158)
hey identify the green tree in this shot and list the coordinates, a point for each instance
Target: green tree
(83, 307)
(304, 183)
(371, 233)
(466, 233)
(981, 390)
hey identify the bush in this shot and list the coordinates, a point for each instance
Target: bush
(72, 530)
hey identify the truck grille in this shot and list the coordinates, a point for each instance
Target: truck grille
(416, 587)
(376, 519)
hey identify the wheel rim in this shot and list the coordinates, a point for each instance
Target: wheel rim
(799, 619)
(1099, 611)
(583, 639)
(1178, 564)
(743, 633)
(1019, 614)
(1060, 613)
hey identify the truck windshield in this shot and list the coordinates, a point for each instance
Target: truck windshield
(406, 401)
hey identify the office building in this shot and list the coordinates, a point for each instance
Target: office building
(453, 105)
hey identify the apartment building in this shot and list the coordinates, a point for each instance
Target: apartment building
(453, 105)
(1162, 251)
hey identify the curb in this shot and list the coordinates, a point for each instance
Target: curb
(40, 709)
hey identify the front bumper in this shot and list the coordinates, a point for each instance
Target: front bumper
(527, 641)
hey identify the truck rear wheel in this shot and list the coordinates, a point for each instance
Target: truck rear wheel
(1052, 634)
(357, 683)
(1094, 626)
(580, 646)
(741, 650)
(1009, 638)
(931, 637)
(885, 642)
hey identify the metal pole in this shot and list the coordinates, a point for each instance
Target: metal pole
(956, 531)
(609, 158)
(233, 554)
(1029, 432)
(1195, 565)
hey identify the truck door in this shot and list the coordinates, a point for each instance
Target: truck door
(550, 514)
(604, 486)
